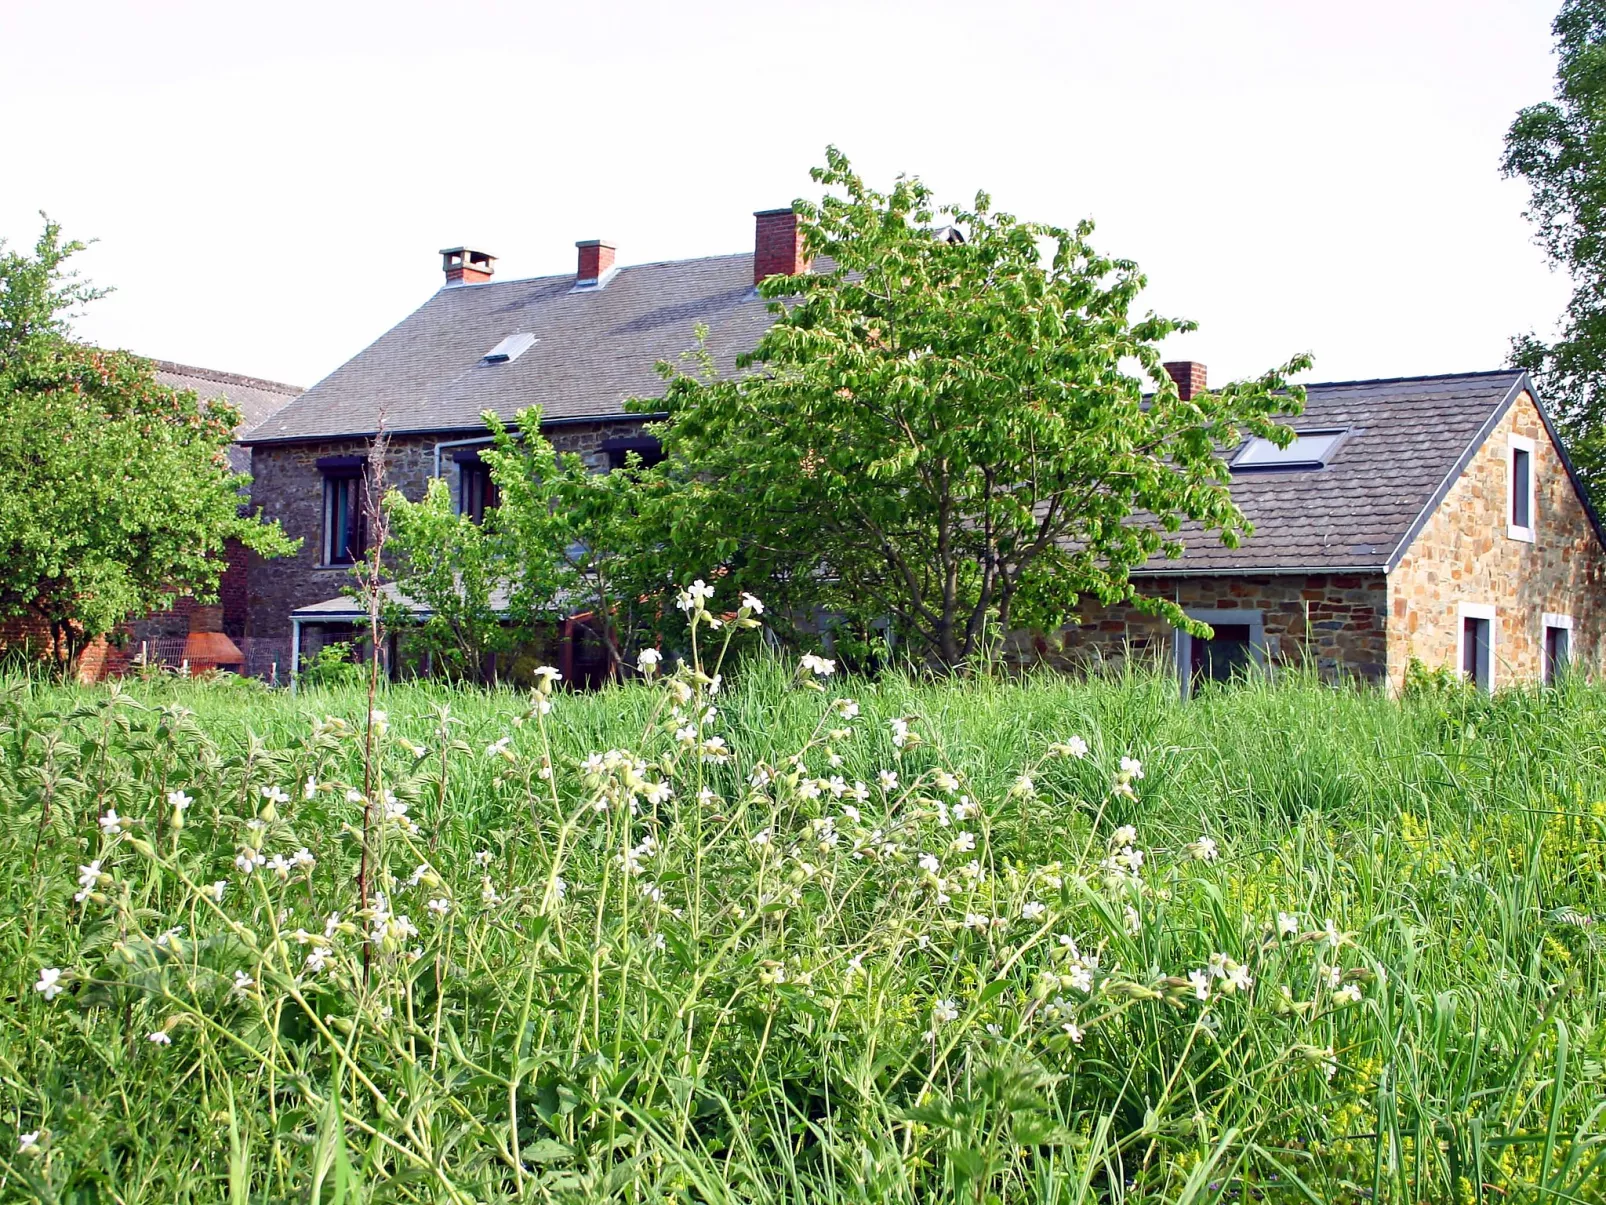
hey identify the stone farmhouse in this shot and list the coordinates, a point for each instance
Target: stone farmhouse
(1429, 518)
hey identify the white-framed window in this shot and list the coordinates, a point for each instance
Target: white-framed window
(1237, 647)
(1474, 653)
(1557, 649)
(1520, 488)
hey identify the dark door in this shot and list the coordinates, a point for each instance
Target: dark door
(1229, 652)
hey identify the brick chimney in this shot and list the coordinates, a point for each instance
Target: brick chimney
(777, 244)
(465, 267)
(596, 258)
(1189, 376)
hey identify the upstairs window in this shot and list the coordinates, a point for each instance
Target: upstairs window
(476, 492)
(645, 446)
(1309, 450)
(343, 527)
(1520, 489)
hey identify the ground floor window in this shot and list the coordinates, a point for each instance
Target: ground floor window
(1476, 640)
(1236, 647)
(1558, 651)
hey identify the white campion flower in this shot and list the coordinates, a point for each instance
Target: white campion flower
(316, 958)
(1132, 768)
(977, 920)
(760, 838)
(28, 1141)
(1335, 976)
(929, 864)
(275, 794)
(1073, 1031)
(1204, 850)
(309, 789)
(848, 709)
(49, 985)
(1032, 910)
(303, 858)
(499, 748)
(353, 795)
(160, 1038)
(1348, 994)
(1134, 922)
(945, 781)
(965, 842)
(821, 667)
(715, 750)
(178, 800)
(1125, 835)
(944, 1012)
(1200, 980)
(657, 792)
(440, 906)
(647, 661)
(1024, 786)
(243, 983)
(751, 603)
(280, 865)
(247, 860)
(1287, 924)
(111, 821)
(1331, 934)
(214, 890)
(887, 780)
(1071, 747)
(965, 808)
(483, 857)
(88, 876)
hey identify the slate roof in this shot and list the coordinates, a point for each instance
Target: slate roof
(254, 398)
(1409, 438)
(594, 348)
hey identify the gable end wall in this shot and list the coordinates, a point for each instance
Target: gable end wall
(1464, 554)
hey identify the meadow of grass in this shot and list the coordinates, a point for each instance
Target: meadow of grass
(803, 939)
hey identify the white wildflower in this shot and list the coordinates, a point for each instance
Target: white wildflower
(1032, 910)
(49, 985)
(820, 667)
(944, 1012)
(1204, 850)
(161, 1038)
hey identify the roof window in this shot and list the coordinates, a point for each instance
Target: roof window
(1309, 450)
(510, 348)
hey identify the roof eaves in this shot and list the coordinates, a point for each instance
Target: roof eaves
(566, 421)
(1258, 570)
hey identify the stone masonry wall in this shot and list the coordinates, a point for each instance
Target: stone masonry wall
(1465, 555)
(1334, 622)
(288, 487)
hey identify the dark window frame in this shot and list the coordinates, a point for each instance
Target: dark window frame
(344, 535)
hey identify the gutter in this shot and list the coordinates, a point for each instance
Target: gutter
(575, 421)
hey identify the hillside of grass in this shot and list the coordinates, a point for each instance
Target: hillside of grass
(795, 937)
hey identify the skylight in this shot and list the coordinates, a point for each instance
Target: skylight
(1309, 450)
(510, 348)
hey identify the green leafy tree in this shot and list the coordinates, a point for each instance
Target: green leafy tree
(116, 495)
(456, 571)
(943, 432)
(1559, 148)
(576, 541)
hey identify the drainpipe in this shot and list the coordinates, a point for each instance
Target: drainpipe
(295, 653)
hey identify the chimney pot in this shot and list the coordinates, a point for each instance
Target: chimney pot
(1189, 376)
(777, 244)
(465, 267)
(596, 258)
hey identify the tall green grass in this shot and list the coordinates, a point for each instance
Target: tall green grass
(719, 996)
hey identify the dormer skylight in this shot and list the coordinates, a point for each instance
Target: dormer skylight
(510, 348)
(1309, 450)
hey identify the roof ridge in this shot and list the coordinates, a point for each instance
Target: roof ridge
(226, 378)
(1431, 376)
(652, 263)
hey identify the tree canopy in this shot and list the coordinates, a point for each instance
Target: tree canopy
(116, 494)
(1559, 148)
(955, 427)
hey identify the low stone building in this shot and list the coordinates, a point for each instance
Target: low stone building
(1433, 518)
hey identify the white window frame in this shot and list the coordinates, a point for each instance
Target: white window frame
(1515, 444)
(1547, 621)
(1465, 612)
(1182, 639)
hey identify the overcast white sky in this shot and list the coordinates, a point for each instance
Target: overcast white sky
(270, 183)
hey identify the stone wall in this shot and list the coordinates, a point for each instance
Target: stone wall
(289, 488)
(1334, 622)
(1464, 554)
